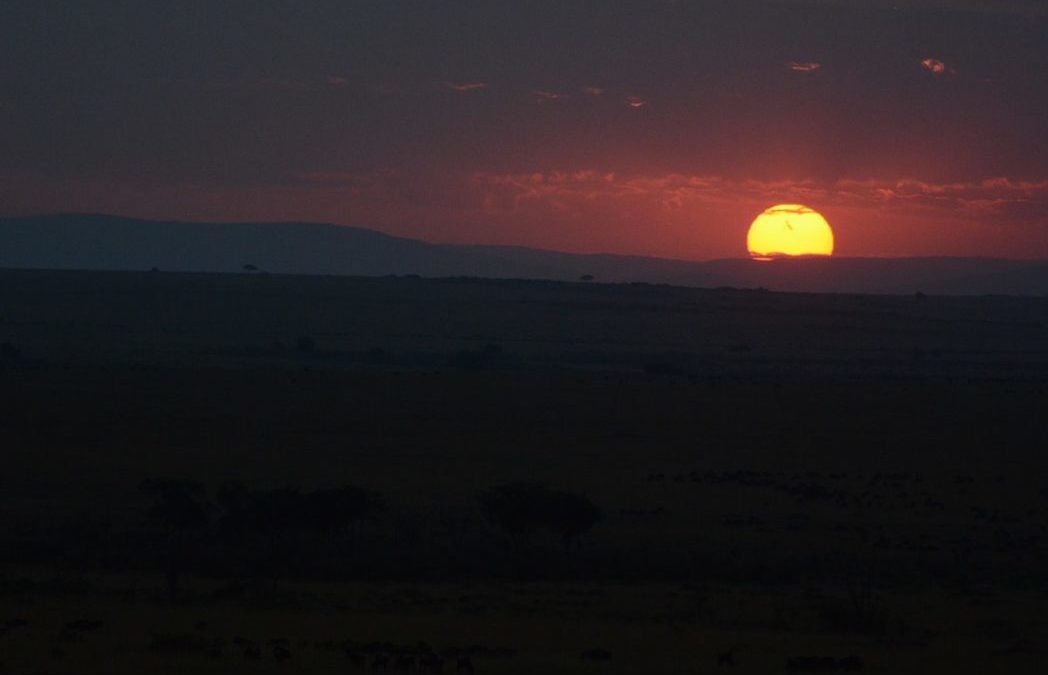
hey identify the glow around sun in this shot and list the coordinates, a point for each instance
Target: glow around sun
(788, 230)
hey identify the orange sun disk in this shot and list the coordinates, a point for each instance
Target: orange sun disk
(789, 230)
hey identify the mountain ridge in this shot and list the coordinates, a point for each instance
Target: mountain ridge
(105, 242)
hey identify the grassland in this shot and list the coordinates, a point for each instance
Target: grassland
(780, 475)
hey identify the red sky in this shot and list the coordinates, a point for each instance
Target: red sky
(655, 128)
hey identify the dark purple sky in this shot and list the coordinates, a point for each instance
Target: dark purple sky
(917, 128)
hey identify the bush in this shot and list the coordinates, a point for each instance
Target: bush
(520, 509)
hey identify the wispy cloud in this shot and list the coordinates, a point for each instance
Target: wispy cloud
(545, 96)
(803, 67)
(635, 102)
(591, 90)
(937, 68)
(1002, 198)
(465, 86)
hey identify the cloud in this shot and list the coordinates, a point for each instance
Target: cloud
(998, 198)
(803, 67)
(545, 96)
(635, 102)
(937, 68)
(466, 87)
(1001, 196)
(391, 190)
(337, 81)
(591, 90)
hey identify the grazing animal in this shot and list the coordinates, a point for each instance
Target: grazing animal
(726, 659)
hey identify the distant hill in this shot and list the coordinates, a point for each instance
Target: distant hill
(103, 242)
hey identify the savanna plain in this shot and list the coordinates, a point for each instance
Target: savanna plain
(265, 473)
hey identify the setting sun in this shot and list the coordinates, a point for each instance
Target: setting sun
(787, 230)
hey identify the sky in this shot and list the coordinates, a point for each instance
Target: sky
(638, 127)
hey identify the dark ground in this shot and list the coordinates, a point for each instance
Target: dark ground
(780, 475)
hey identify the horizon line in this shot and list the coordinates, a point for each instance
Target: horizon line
(604, 254)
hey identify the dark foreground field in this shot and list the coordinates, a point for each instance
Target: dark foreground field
(786, 483)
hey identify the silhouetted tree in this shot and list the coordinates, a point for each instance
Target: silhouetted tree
(232, 498)
(586, 277)
(271, 517)
(519, 509)
(338, 510)
(515, 508)
(276, 518)
(179, 508)
(250, 268)
(570, 515)
(277, 515)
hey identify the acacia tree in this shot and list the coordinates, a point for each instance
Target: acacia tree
(571, 516)
(179, 509)
(336, 511)
(515, 508)
(519, 509)
(276, 518)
